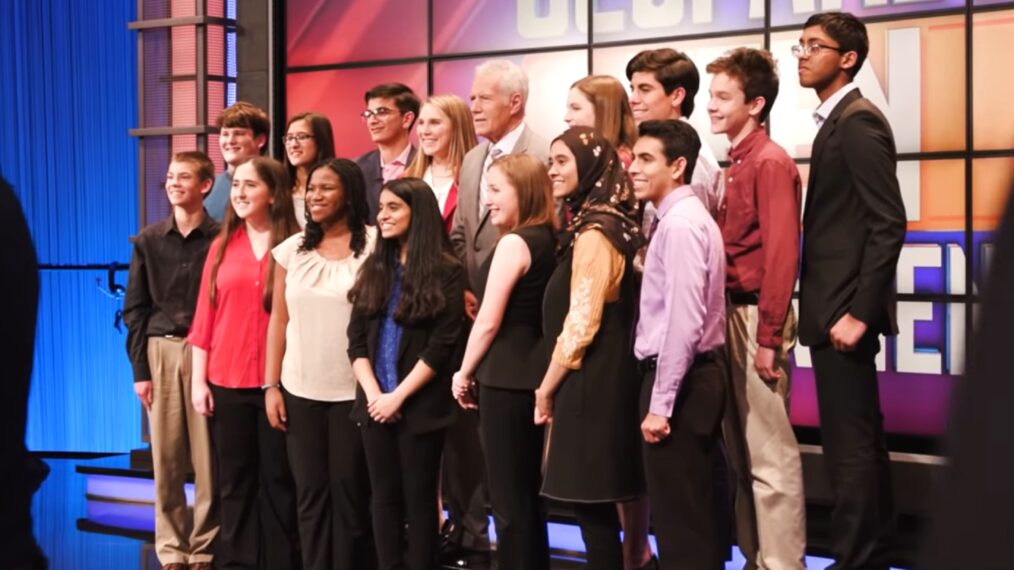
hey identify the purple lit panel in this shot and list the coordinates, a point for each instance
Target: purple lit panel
(463, 26)
(133, 489)
(917, 371)
(617, 20)
(786, 12)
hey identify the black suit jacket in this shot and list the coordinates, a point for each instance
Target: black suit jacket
(853, 223)
(369, 163)
(433, 341)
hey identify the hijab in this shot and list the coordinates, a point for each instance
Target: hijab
(604, 199)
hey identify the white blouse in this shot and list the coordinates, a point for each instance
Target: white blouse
(442, 191)
(316, 365)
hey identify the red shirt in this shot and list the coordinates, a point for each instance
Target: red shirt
(233, 331)
(760, 226)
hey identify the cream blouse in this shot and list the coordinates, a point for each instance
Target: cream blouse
(315, 365)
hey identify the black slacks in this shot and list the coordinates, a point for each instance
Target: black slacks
(682, 470)
(464, 482)
(257, 500)
(855, 453)
(513, 451)
(332, 485)
(404, 469)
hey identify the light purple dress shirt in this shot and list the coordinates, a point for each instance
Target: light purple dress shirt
(682, 294)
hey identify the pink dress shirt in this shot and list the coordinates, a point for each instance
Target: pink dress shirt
(682, 294)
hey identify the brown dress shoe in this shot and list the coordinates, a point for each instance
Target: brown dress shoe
(200, 566)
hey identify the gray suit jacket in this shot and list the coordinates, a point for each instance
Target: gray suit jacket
(369, 163)
(473, 238)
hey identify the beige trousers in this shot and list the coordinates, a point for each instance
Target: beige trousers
(179, 439)
(770, 506)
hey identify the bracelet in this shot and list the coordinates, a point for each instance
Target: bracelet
(267, 387)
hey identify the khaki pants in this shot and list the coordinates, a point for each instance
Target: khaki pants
(763, 452)
(179, 439)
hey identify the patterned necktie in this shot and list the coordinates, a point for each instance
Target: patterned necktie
(494, 154)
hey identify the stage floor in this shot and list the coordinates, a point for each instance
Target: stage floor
(61, 513)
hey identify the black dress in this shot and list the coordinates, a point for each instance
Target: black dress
(517, 358)
(594, 443)
(508, 375)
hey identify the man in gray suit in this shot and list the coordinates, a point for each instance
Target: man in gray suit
(499, 94)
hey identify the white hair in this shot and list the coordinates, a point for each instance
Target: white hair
(510, 78)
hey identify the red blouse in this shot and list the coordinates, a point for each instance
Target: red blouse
(233, 331)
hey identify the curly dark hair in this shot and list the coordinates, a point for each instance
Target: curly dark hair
(354, 207)
(430, 256)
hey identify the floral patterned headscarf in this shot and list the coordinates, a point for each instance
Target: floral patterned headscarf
(604, 199)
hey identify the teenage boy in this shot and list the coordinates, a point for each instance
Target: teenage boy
(853, 229)
(391, 110)
(242, 134)
(678, 340)
(165, 275)
(758, 218)
(663, 84)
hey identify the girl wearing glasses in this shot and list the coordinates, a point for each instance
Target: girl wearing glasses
(308, 141)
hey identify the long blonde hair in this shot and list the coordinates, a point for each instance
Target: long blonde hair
(613, 119)
(462, 135)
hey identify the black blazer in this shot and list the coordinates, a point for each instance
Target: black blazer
(369, 163)
(853, 223)
(433, 341)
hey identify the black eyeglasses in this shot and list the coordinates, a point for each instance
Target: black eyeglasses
(301, 137)
(807, 50)
(379, 112)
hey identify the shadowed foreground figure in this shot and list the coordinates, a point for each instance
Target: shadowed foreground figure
(974, 516)
(20, 473)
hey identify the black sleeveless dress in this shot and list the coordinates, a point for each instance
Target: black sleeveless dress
(594, 448)
(517, 358)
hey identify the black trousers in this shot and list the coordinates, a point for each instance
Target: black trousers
(332, 485)
(682, 470)
(464, 483)
(404, 469)
(855, 453)
(257, 500)
(513, 451)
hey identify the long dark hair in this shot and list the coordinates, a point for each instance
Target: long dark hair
(356, 210)
(429, 256)
(283, 223)
(323, 137)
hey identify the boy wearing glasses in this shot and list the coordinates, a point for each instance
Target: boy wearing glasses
(165, 275)
(242, 134)
(758, 217)
(391, 110)
(853, 229)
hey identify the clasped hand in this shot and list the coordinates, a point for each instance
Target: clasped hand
(385, 408)
(463, 390)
